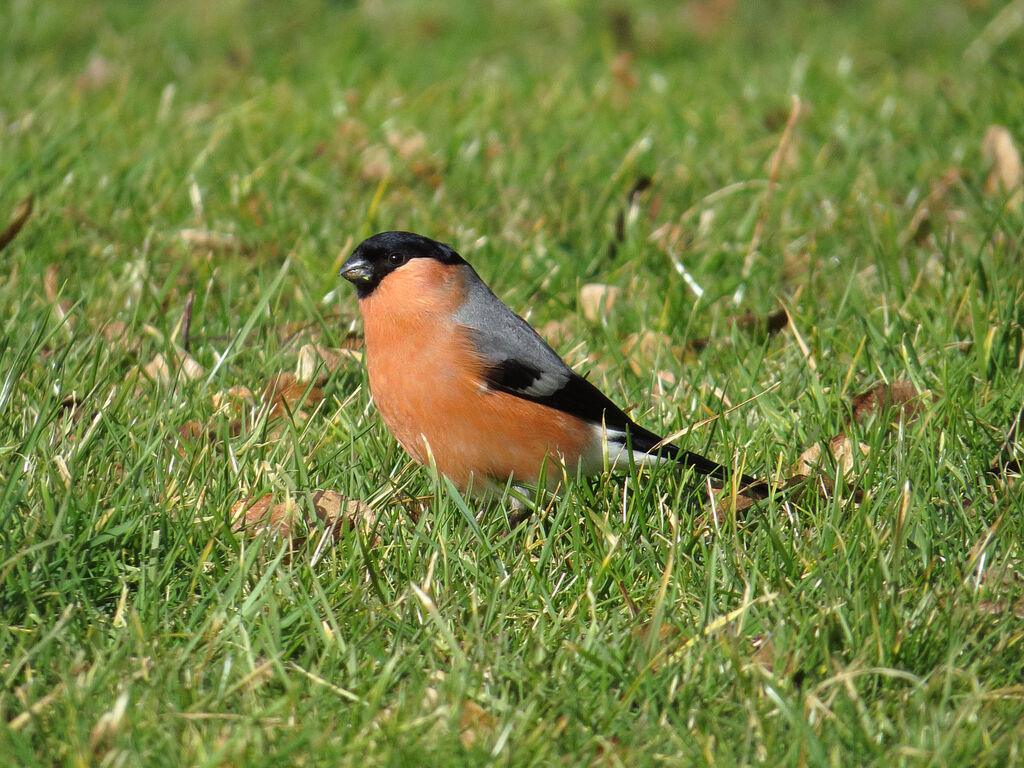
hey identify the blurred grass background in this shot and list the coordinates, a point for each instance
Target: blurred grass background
(235, 152)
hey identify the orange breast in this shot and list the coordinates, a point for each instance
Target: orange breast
(427, 383)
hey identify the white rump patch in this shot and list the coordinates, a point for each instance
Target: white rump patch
(612, 443)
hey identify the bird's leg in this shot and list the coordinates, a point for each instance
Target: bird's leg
(521, 506)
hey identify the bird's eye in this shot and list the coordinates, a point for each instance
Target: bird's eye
(396, 259)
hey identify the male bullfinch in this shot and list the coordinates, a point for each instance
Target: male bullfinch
(465, 383)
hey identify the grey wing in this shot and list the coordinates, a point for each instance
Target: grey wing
(519, 362)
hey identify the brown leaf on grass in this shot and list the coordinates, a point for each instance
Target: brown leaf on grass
(284, 393)
(900, 395)
(622, 71)
(286, 519)
(764, 653)
(842, 450)
(315, 359)
(234, 399)
(50, 283)
(21, 213)
(665, 383)
(721, 506)
(597, 300)
(1006, 174)
(475, 723)
(179, 363)
(195, 431)
(231, 406)
(61, 307)
(644, 633)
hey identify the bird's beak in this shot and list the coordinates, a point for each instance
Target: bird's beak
(356, 270)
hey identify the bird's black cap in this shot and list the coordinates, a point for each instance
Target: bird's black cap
(378, 256)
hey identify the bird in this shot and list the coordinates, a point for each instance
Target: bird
(467, 385)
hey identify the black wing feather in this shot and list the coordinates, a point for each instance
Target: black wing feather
(579, 398)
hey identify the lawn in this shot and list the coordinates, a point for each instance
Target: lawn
(790, 234)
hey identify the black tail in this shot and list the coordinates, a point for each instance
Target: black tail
(643, 440)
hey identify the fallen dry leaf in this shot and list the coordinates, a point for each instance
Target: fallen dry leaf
(475, 723)
(644, 634)
(596, 300)
(21, 213)
(50, 283)
(314, 359)
(60, 306)
(233, 398)
(285, 519)
(351, 135)
(411, 146)
(842, 450)
(764, 653)
(721, 504)
(195, 431)
(284, 393)
(622, 70)
(900, 395)
(1006, 174)
(164, 370)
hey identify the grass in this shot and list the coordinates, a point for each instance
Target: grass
(876, 624)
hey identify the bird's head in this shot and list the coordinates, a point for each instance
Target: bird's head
(377, 257)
